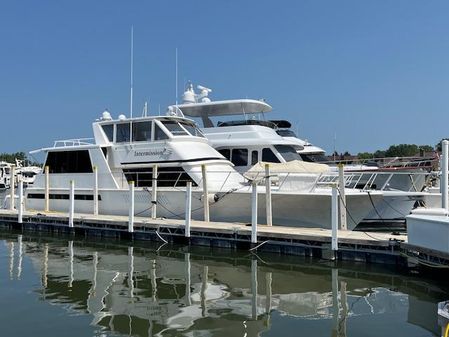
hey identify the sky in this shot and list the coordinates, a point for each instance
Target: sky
(351, 75)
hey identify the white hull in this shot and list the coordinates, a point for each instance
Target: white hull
(298, 210)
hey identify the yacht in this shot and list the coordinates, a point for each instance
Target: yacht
(5, 174)
(251, 139)
(127, 149)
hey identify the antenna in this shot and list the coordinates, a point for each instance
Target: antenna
(132, 69)
(176, 75)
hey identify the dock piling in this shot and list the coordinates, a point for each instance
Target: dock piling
(444, 175)
(71, 202)
(20, 215)
(95, 190)
(188, 215)
(341, 188)
(268, 205)
(154, 193)
(12, 192)
(47, 189)
(254, 212)
(334, 219)
(205, 193)
(131, 207)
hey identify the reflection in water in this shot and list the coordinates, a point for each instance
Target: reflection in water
(145, 291)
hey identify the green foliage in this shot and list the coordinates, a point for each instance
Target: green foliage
(11, 157)
(401, 150)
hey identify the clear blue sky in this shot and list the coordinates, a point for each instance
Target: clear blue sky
(374, 73)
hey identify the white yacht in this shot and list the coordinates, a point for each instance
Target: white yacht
(252, 139)
(5, 174)
(126, 150)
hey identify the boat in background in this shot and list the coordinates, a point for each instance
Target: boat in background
(252, 139)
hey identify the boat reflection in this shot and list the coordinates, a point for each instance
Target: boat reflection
(148, 290)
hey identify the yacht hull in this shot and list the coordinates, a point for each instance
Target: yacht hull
(297, 210)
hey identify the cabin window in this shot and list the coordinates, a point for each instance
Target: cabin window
(109, 131)
(69, 162)
(175, 128)
(142, 131)
(269, 156)
(159, 134)
(192, 129)
(240, 157)
(225, 153)
(288, 152)
(254, 157)
(122, 135)
(167, 177)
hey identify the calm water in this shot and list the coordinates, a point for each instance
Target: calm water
(55, 287)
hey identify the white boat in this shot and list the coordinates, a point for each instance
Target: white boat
(252, 139)
(5, 174)
(126, 150)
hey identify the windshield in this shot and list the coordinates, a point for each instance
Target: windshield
(286, 133)
(287, 152)
(314, 157)
(193, 130)
(175, 128)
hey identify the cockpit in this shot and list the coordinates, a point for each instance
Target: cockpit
(149, 130)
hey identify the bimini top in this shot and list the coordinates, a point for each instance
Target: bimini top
(224, 108)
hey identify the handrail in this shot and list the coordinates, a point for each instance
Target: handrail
(73, 142)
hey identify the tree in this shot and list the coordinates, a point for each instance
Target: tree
(402, 150)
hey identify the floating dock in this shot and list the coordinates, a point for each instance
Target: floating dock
(357, 246)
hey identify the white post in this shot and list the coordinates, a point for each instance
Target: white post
(205, 193)
(71, 202)
(341, 187)
(254, 212)
(268, 195)
(188, 215)
(131, 207)
(95, 190)
(47, 189)
(20, 220)
(444, 175)
(334, 218)
(154, 193)
(12, 192)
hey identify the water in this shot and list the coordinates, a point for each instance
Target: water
(54, 287)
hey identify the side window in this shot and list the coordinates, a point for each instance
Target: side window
(254, 157)
(225, 153)
(142, 132)
(240, 157)
(122, 135)
(158, 133)
(268, 156)
(109, 131)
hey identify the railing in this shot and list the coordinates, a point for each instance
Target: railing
(390, 162)
(74, 142)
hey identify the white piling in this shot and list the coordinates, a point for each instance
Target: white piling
(47, 189)
(268, 205)
(188, 215)
(334, 218)
(131, 207)
(95, 190)
(341, 187)
(71, 202)
(12, 186)
(20, 201)
(444, 175)
(154, 193)
(205, 194)
(254, 212)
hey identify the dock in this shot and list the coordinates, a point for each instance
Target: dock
(367, 247)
